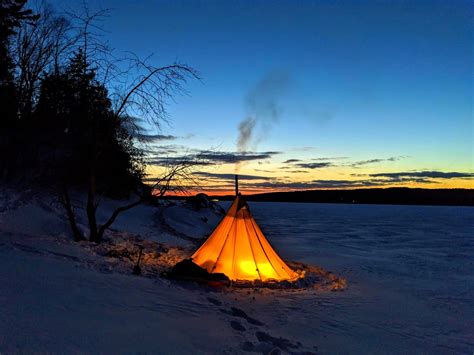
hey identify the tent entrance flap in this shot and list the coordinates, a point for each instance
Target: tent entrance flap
(238, 249)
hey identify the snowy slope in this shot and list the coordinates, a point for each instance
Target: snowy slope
(410, 271)
(60, 296)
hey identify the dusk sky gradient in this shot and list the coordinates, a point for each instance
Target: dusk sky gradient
(386, 87)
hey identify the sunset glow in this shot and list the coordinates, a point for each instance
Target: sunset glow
(320, 98)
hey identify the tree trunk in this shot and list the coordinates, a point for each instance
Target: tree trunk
(93, 235)
(111, 220)
(70, 214)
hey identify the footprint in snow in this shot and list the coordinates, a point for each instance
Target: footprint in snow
(268, 344)
(214, 301)
(237, 326)
(281, 343)
(237, 312)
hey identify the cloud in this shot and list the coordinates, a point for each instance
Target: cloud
(170, 161)
(325, 162)
(289, 161)
(314, 165)
(231, 177)
(344, 183)
(320, 163)
(365, 162)
(425, 174)
(235, 157)
(376, 160)
(155, 137)
(281, 185)
(365, 183)
(157, 151)
(219, 181)
(210, 157)
(333, 184)
(315, 184)
(264, 171)
(329, 158)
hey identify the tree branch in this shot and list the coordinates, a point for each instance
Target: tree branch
(111, 220)
(153, 72)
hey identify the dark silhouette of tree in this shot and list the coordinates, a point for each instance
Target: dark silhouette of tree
(65, 126)
(146, 94)
(12, 14)
(93, 145)
(40, 46)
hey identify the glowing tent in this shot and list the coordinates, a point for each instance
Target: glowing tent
(238, 249)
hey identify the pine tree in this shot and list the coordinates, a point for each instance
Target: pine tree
(12, 13)
(77, 113)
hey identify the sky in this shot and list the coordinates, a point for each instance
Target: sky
(327, 94)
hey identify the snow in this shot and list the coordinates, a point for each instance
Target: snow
(54, 301)
(409, 271)
(189, 222)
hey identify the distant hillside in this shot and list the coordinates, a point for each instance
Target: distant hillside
(393, 196)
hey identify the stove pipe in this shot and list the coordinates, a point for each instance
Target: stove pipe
(236, 185)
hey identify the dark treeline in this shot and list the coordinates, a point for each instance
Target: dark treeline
(393, 196)
(68, 106)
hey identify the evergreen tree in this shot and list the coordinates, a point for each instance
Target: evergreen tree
(12, 13)
(69, 133)
(76, 110)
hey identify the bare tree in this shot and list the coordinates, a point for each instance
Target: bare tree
(177, 176)
(66, 200)
(89, 29)
(40, 46)
(152, 87)
(145, 95)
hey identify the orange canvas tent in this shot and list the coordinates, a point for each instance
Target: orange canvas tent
(238, 249)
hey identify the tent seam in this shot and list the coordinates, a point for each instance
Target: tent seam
(266, 255)
(253, 254)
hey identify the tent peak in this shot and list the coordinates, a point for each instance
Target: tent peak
(237, 185)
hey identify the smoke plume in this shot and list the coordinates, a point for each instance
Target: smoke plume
(245, 133)
(263, 108)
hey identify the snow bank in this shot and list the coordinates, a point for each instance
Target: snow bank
(59, 296)
(409, 269)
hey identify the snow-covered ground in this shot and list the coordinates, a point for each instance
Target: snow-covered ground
(409, 270)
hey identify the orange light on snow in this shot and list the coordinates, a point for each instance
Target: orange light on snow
(238, 249)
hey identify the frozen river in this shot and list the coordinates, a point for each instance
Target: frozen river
(410, 271)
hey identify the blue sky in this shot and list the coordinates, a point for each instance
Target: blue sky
(364, 80)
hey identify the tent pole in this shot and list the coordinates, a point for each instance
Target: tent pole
(236, 185)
